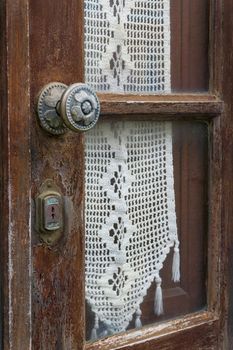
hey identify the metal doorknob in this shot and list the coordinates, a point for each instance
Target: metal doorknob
(61, 107)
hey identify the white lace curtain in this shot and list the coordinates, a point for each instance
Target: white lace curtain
(130, 203)
(127, 45)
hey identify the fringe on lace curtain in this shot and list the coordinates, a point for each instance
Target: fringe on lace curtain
(130, 204)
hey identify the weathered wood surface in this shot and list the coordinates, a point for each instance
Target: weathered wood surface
(56, 320)
(198, 331)
(56, 37)
(15, 175)
(225, 79)
(172, 106)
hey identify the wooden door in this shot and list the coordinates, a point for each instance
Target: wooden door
(43, 296)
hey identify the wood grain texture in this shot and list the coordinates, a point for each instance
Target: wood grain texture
(52, 287)
(216, 48)
(197, 331)
(56, 53)
(225, 45)
(3, 167)
(16, 175)
(216, 253)
(56, 37)
(3, 155)
(172, 106)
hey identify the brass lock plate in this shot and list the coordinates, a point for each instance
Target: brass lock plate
(49, 212)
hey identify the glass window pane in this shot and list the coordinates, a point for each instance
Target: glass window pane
(146, 46)
(146, 223)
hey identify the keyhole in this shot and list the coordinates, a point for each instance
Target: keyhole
(53, 210)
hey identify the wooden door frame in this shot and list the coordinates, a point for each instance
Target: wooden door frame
(16, 175)
(17, 113)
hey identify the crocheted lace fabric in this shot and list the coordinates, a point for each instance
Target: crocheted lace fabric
(130, 207)
(130, 218)
(127, 45)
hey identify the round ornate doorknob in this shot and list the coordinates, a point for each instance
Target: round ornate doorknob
(79, 107)
(61, 107)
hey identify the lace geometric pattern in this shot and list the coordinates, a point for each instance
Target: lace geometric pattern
(130, 219)
(127, 45)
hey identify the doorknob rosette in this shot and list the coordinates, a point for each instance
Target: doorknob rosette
(47, 113)
(61, 107)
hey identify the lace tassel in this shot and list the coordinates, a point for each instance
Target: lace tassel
(176, 264)
(105, 333)
(138, 322)
(158, 302)
(94, 329)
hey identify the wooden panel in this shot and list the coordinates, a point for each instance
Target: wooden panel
(171, 106)
(190, 149)
(3, 148)
(198, 331)
(58, 280)
(15, 174)
(189, 45)
(225, 42)
(56, 30)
